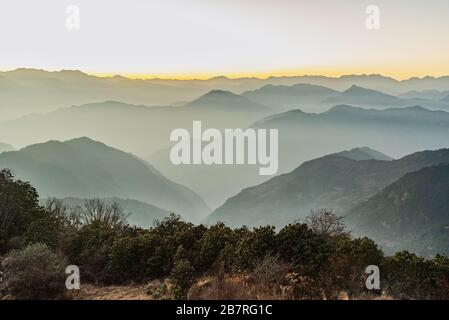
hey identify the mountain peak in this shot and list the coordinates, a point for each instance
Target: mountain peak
(83, 140)
(217, 93)
(219, 78)
(62, 145)
(344, 108)
(354, 89)
(217, 96)
(43, 73)
(110, 105)
(226, 99)
(364, 153)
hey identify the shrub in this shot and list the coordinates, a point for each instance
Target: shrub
(91, 248)
(19, 206)
(299, 245)
(182, 275)
(34, 273)
(345, 268)
(408, 275)
(254, 246)
(135, 257)
(170, 233)
(214, 240)
(440, 270)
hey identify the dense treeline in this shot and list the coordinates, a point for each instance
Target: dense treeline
(312, 260)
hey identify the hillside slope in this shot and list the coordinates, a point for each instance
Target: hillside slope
(412, 213)
(85, 168)
(329, 182)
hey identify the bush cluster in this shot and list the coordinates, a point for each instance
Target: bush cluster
(314, 259)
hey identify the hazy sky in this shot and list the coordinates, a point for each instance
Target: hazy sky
(203, 38)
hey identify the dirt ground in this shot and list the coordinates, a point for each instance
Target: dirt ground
(90, 292)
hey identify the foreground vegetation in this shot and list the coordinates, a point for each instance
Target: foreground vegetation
(316, 259)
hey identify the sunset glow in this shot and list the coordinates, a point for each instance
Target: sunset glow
(203, 39)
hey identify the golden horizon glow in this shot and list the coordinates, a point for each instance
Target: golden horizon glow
(332, 73)
(397, 74)
(183, 39)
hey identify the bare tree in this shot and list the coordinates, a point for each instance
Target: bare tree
(58, 209)
(55, 207)
(96, 211)
(325, 221)
(270, 270)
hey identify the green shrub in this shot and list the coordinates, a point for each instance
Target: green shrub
(254, 246)
(182, 275)
(345, 268)
(91, 248)
(408, 275)
(34, 273)
(170, 233)
(306, 250)
(214, 240)
(136, 257)
(19, 207)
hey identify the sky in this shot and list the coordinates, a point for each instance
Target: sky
(206, 38)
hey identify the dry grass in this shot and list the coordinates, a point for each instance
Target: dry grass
(131, 292)
(218, 287)
(234, 288)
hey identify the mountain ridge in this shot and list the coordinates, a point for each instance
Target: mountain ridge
(412, 213)
(86, 168)
(35, 91)
(331, 181)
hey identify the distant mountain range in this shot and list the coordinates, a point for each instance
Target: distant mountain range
(334, 181)
(411, 213)
(25, 91)
(313, 98)
(305, 136)
(227, 101)
(84, 168)
(407, 116)
(396, 131)
(282, 97)
(145, 131)
(134, 128)
(359, 96)
(430, 94)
